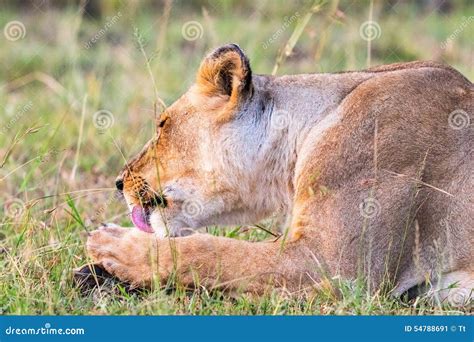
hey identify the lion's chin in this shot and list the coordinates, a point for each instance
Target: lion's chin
(157, 225)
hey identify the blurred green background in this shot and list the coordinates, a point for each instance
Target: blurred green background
(77, 99)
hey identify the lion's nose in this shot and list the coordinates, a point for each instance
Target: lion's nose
(119, 184)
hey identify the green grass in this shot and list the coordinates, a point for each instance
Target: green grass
(50, 69)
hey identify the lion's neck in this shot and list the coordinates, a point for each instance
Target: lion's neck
(298, 110)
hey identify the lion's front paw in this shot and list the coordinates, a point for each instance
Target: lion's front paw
(126, 253)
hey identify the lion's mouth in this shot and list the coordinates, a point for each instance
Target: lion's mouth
(141, 213)
(141, 218)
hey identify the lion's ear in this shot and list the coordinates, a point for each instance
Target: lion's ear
(225, 72)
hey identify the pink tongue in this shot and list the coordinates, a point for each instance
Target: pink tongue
(139, 219)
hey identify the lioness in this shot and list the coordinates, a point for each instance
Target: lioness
(372, 170)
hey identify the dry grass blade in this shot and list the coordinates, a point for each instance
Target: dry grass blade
(417, 181)
(261, 227)
(18, 137)
(141, 46)
(45, 79)
(79, 138)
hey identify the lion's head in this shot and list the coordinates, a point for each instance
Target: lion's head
(208, 163)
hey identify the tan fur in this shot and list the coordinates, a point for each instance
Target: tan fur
(380, 136)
